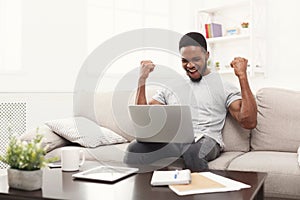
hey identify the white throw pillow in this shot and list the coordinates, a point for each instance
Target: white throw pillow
(84, 132)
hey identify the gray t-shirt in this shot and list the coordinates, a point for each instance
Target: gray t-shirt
(209, 100)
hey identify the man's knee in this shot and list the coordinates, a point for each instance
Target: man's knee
(198, 154)
(133, 147)
(140, 153)
(209, 150)
(193, 163)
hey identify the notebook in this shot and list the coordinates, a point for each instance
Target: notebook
(105, 173)
(160, 178)
(162, 123)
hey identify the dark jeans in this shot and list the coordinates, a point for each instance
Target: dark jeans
(195, 155)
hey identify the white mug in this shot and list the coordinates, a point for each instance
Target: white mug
(70, 158)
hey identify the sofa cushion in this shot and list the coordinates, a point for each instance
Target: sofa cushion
(50, 139)
(223, 161)
(283, 171)
(235, 137)
(107, 153)
(85, 132)
(277, 121)
(111, 110)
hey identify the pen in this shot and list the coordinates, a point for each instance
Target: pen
(176, 174)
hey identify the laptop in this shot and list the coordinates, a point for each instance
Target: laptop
(105, 173)
(162, 123)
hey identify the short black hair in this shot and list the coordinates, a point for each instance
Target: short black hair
(193, 39)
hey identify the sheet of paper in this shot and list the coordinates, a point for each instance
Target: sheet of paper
(207, 182)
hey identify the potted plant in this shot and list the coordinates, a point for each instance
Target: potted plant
(245, 24)
(26, 159)
(217, 65)
(245, 27)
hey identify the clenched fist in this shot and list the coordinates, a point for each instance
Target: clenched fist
(147, 66)
(239, 65)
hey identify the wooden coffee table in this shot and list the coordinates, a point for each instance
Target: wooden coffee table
(60, 185)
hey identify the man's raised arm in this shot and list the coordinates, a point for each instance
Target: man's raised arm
(245, 110)
(147, 67)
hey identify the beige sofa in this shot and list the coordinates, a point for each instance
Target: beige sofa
(271, 147)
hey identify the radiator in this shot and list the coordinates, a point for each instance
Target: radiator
(12, 116)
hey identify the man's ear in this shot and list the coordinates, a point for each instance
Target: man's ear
(207, 56)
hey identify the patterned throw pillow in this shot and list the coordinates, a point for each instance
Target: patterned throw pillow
(50, 140)
(84, 132)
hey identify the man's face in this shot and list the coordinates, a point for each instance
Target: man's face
(194, 61)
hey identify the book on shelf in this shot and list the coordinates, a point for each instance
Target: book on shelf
(213, 30)
(207, 182)
(207, 29)
(160, 178)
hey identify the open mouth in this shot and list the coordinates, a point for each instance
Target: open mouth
(191, 70)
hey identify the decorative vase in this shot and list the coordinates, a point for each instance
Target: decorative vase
(244, 31)
(25, 180)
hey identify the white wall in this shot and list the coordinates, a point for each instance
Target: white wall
(56, 39)
(57, 35)
(175, 15)
(283, 29)
(53, 46)
(53, 49)
(283, 45)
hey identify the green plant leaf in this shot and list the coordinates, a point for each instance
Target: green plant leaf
(26, 155)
